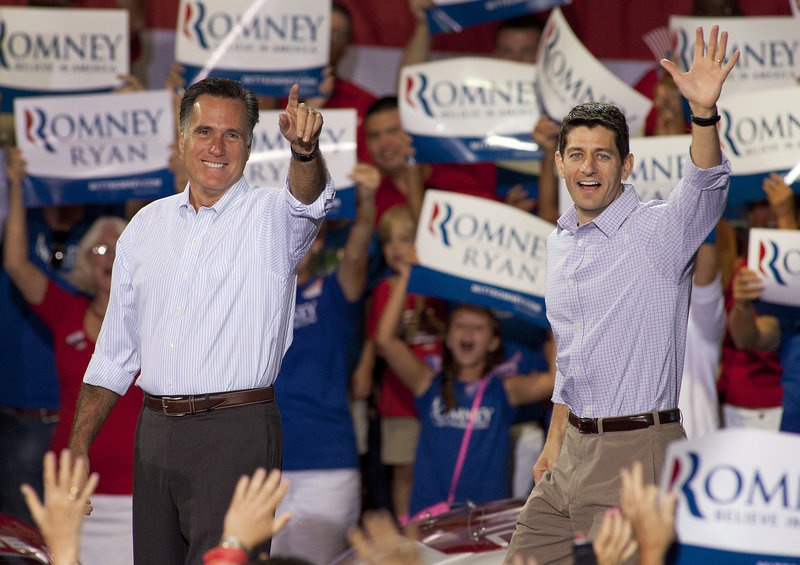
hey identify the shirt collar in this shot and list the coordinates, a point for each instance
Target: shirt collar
(230, 196)
(609, 219)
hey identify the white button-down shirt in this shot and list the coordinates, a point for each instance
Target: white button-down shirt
(203, 301)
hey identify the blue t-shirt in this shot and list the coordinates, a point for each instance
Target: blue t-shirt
(313, 383)
(484, 476)
(790, 380)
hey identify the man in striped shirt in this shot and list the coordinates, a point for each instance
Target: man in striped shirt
(617, 295)
(202, 301)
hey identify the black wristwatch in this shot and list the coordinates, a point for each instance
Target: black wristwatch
(305, 157)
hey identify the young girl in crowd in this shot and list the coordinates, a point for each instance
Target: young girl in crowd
(421, 321)
(472, 354)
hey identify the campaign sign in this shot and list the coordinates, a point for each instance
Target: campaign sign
(475, 250)
(49, 51)
(658, 164)
(738, 498)
(470, 109)
(769, 49)
(775, 256)
(568, 75)
(270, 156)
(448, 16)
(96, 147)
(760, 133)
(267, 45)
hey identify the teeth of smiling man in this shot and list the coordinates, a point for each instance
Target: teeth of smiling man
(589, 183)
(214, 165)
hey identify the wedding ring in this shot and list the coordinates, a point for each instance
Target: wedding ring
(73, 493)
(720, 61)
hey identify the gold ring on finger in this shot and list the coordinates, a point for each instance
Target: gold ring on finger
(720, 61)
(73, 493)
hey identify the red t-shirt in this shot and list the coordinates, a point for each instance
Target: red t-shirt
(396, 399)
(111, 453)
(473, 179)
(751, 379)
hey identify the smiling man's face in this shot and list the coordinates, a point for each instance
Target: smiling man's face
(593, 170)
(215, 147)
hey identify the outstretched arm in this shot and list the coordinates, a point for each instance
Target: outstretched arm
(415, 374)
(28, 278)
(352, 273)
(418, 48)
(701, 85)
(301, 126)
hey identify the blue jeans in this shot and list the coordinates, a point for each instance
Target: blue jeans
(24, 439)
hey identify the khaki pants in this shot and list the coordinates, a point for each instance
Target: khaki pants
(585, 482)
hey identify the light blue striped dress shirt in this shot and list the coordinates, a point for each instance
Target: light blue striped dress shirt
(617, 295)
(204, 302)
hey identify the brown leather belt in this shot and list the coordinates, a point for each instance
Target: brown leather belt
(186, 405)
(46, 415)
(624, 423)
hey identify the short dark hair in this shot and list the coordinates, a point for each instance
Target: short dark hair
(220, 88)
(592, 114)
(527, 21)
(382, 105)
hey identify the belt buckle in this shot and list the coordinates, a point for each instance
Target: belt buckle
(164, 400)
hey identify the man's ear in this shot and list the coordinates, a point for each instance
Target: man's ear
(181, 141)
(559, 164)
(627, 166)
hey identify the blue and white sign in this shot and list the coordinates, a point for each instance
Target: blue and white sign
(270, 156)
(448, 16)
(658, 164)
(268, 45)
(49, 51)
(775, 256)
(760, 133)
(470, 109)
(568, 75)
(96, 147)
(737, 497)
(475, 250)
(769, 48)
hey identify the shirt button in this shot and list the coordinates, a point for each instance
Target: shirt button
(169, 383)
(580, 242)
(185, 275)
(577, 369)
(177, 310)
(571, 282)
(578, 326)
(171, 346)
(194, 240)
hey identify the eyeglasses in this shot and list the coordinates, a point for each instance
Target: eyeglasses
(104, 249)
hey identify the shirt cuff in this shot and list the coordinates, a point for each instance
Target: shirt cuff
(317, 209)
(103, 372)
(715, 178)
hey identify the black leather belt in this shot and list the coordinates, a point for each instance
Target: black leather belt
(624, 423)
(186, 405)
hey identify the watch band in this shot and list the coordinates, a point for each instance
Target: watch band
(705, 122)
(305, 157)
